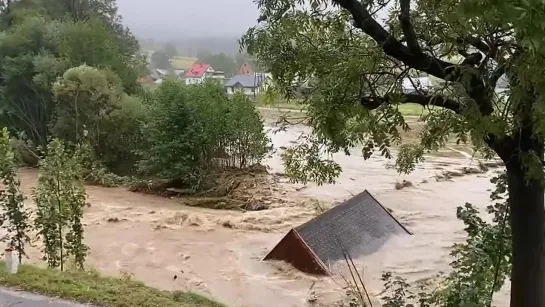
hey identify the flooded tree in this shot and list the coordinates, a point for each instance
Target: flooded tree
(196, 130)
(60, 198)
(15, 218)
(364, 59)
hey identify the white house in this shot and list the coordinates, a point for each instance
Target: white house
(197, 73)
(253, 84)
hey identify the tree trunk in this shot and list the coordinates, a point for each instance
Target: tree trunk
(528, 242)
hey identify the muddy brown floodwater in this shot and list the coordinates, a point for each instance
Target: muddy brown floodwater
(218, 253)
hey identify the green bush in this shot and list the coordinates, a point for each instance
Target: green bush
(122, 135)
(245, 140)
(196, 129)
(26, 153)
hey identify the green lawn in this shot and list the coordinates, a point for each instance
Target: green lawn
(91, 287)
(408, 109)
(279, 104)
(412, 109)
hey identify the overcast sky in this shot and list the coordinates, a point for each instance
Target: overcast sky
(167, 18)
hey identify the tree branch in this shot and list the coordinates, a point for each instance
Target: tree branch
(477, 43)
(372, 103)
(496, 75)
(422, 62)
(390, 45)
(490, 50)
(407, 27)
(472, 59)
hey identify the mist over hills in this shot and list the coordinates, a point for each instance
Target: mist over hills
(206, 25)
(190, 46)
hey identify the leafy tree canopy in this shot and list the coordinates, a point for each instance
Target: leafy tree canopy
(195, 130)
(170, 50)
(92, 108)
(220, 62)
(161, 60)
(41, 40)
(356, 63)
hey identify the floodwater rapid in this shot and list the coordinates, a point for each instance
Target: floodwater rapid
(218, 253)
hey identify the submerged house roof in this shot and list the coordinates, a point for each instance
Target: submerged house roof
(357, 227)
(254, 80)
(361, 225)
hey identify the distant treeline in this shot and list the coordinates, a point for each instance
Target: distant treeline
(193, 46)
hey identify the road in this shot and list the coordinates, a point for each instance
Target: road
(10, 298)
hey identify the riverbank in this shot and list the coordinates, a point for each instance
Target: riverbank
(90, 287)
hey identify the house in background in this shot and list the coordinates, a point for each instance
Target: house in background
(160, 73)
(218, 76)
(251, 85)
(179, 73)
(245, 69)
(154, 76)
(199, 72)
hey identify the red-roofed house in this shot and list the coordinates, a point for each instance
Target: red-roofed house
(197, 73)
(245, 70)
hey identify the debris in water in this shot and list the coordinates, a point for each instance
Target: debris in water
(449, 174)
(319, 207)
(184, 257)
(257, 206)
(471, 170)
(248, 189)
(403, 184)
(279, 174)
(227, 224)
(312, 297)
